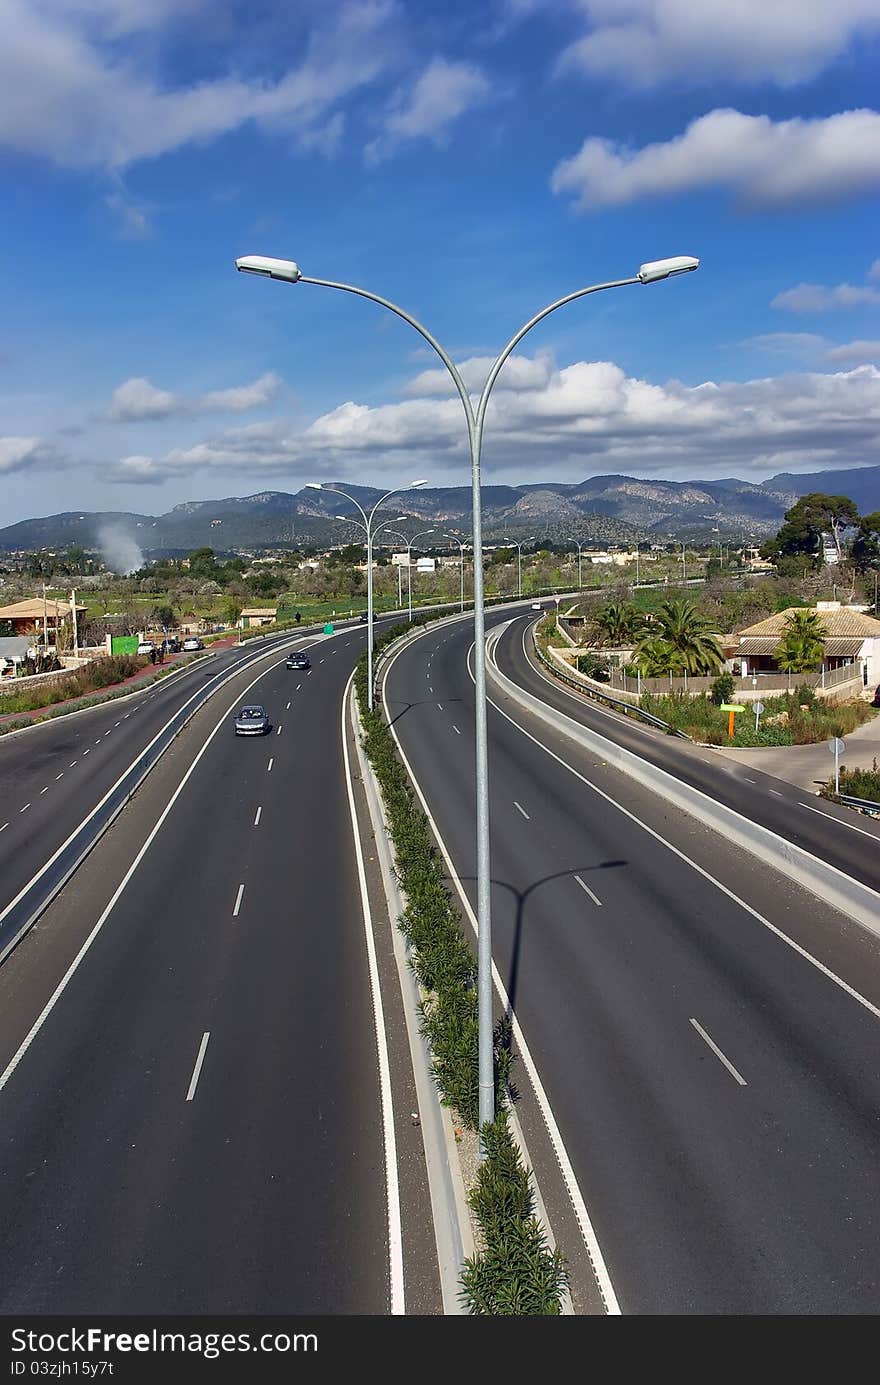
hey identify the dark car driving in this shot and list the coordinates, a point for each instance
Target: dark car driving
(299, 659)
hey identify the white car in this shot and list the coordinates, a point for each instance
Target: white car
(193, 643)
(146, 647)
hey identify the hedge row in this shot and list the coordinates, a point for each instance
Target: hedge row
(515, 1272)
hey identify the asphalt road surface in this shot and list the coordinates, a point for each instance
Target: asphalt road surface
(705, 1030)
(189, 1090)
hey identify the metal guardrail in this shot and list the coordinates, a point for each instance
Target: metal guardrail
(617, 703)
(868, 805)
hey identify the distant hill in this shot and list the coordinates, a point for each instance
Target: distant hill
(601, 509)
(861, 484)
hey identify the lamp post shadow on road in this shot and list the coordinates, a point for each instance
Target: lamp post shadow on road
(287, 271)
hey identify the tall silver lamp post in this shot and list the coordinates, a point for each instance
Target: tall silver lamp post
(580, 547)
(289, 272)
(461, 547)
(368, 529)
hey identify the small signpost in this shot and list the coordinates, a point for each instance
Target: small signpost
(837, 747)
(759, 707)
(732, 708)
(328, 628)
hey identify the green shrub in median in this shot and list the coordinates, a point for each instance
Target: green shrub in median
(514, 1271)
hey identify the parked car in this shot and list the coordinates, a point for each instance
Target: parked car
(298, 659)
(146, 647)
(252, 721)
(171, 645)
(193, 642)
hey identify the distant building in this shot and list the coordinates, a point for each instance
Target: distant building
(257, 615)
(26, 617)
(851, 637)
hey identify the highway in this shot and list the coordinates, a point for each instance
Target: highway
(705, 1031)
(191, 1113)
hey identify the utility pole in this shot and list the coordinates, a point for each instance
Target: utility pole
(75, 626)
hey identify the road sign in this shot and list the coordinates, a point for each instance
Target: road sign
(733, 707)
(836, 745)
(759, 707)
(328, 628)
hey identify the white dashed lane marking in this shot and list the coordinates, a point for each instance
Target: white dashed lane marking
(586, 889)
(521, 810)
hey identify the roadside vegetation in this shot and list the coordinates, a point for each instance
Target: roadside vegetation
(856, 783)
(514, 1271)
(795, 718)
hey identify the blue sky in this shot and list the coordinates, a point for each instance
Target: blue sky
(471, 161)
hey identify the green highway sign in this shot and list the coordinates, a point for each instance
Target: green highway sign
(732, 707)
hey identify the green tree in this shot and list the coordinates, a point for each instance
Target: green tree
(684, 631)
(655, 657)
(802, 646)
(812, 516)
(866, 547)
(202, 563)
(617, 622)
(232, 609)
(162, 615)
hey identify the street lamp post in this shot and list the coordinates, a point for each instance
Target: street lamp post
(684, 575)
(395, 534)
(580, 546)
(652, 272)
(420, 535)
(461, 548)
(519, 549)
(368, 529)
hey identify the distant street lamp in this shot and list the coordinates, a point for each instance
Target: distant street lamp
(420, 535)
(579, 547)
(519, 549)
(649, 273)
(368, 529)
(461, 548)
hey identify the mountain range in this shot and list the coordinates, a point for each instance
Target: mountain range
(601, 509)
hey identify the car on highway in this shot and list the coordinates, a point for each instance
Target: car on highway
(536, 606)
(298, 659)
(363, 617)
(193, 642)
(252, 721)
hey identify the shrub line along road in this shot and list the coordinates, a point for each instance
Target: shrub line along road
(190, 1096)
(716, 1091)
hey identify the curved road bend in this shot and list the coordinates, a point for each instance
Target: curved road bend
(848, 841)
(150, 1169)
(717, 1091)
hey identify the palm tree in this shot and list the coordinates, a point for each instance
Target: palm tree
(656, 657)
(683, 629)
(802, 646)
(617, 623)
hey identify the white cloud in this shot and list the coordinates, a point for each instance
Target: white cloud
(139, 471)
(138, 400)
(788, 343)
(588, 416)
(26, 454)
(441, 93)
(858, 351)
(643, 43)
(73, 95)
(874, 271)
(823, 298)
(518, 373)
(764, 162)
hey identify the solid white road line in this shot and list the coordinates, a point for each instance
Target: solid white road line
(585, 887)
(718, 1054)
(783, 937)
(258, 816)
(591, 1241)
(238, 901)
(522, 810)
(392, 1187)
(200, 1058)
(271, 763)
(114, 899)
(828, 818)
